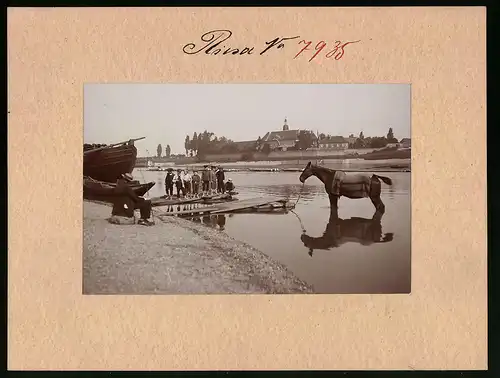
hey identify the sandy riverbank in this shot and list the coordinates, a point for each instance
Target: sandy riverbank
(175, 256)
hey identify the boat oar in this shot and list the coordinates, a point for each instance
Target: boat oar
(112, 145)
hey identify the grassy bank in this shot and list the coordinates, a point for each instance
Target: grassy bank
(388, 154)
(175, 256)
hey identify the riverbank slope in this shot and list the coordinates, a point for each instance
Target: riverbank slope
(175, 256)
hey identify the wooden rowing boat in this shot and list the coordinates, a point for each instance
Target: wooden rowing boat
(108, 162)
(94, 189)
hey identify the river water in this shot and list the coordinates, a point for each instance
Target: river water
(353, 255)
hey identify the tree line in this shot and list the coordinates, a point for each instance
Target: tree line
(159, 151)
(367, 142)
(207, 142)
(374, 142)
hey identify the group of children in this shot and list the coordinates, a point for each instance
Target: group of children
(188, 184)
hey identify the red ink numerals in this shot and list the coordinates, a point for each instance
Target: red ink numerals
(337, 52)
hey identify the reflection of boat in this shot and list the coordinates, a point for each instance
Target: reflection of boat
(340, 231)
(93, 189)
(109, 162)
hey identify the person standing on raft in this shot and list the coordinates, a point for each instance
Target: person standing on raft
(205, 177)
(220, 180)
(169, 182)
(179, 183)
(126, 201)
(187, 183)
(196, 183)
(213, 180)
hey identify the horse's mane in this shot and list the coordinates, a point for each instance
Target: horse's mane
(324, 168)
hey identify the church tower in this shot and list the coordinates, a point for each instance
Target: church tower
(285, 126)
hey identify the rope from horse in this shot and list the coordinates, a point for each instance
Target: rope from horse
(296, 202)
(300, 195)
(300, 221)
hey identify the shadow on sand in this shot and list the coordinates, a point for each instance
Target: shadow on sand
(215, 221)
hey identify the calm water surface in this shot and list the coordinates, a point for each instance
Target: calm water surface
(354, 255)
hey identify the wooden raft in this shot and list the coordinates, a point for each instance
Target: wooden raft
(272, 203)
(162, 201)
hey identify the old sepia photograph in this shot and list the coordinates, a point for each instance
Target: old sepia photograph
(247, 189)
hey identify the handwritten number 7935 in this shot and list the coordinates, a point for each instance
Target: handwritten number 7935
(337, 52)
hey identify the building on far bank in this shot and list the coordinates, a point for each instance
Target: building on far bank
(334, 143)
(351, 141)
(405, 142)
(391, 145)
(282, 140)
(247, 145)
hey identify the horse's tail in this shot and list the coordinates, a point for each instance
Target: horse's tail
(387, 180)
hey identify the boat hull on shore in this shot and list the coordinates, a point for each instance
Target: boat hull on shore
(110, 163)
(104, 191)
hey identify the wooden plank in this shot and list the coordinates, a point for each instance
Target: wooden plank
(228, 206)
(161, 201)
(219, 200)
(266, 209)
(243, 204)
(112, 145)
(199, 210)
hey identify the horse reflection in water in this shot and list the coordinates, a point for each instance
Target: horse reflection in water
(340, 231)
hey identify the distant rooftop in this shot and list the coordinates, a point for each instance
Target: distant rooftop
(334, 139)
(281, 135)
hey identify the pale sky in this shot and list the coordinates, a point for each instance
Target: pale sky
(166, 113)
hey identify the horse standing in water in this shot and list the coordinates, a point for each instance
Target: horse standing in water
(352, 185)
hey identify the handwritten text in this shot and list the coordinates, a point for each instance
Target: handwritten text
(337, 52)
(217, 42)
